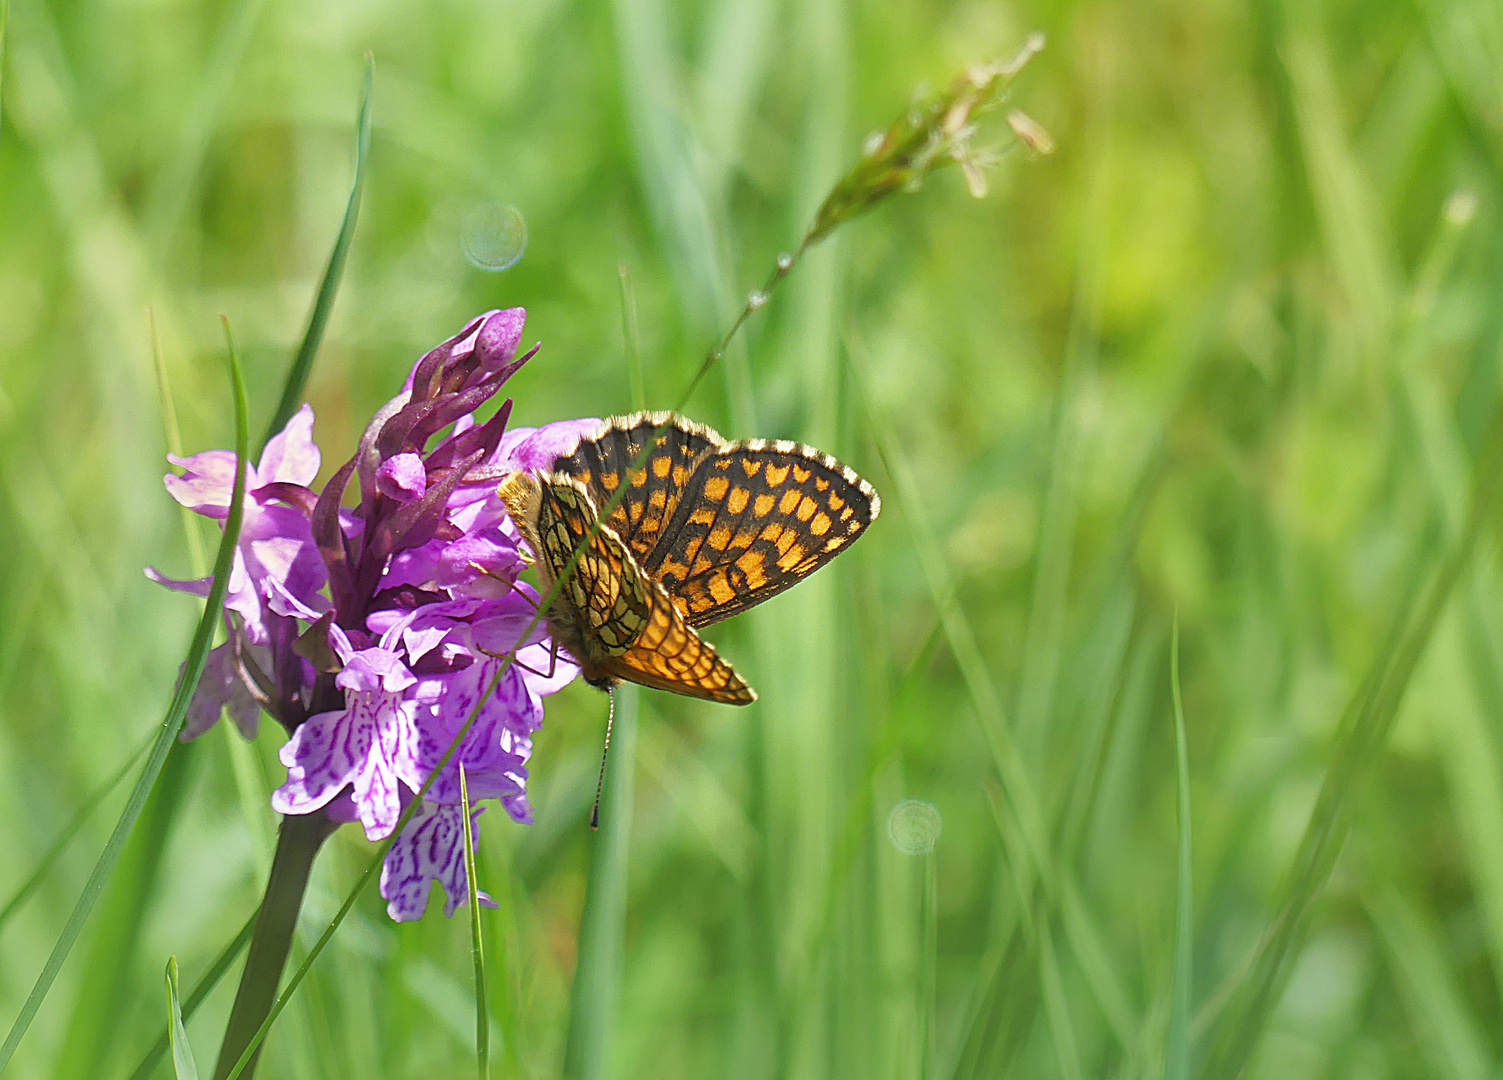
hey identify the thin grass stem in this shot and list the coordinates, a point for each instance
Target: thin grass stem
(197, 558)
(167, 734)
(596, 989)
(328, 287)
(1177, 1050)
(477, 944)
(201, 989)
(60, 845)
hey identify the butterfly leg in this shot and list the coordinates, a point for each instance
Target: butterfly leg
(552, 661)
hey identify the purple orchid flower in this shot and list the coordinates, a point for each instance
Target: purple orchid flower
(277, 569)
(373, 633)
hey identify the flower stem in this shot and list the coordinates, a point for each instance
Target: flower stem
(298, 842)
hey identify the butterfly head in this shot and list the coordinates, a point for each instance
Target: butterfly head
(521, 492)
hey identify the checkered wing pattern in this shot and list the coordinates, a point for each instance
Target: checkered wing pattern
(603, 460)
(755, 518)
(670, 655)
(609, 597)
(629, 623)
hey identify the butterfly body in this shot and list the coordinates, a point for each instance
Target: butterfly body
(704, 530)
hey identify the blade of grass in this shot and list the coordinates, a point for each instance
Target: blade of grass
(201, 989)
(323, 304)
(110, 962)
(1372, 712)
(196, 556)
(1022, 799)
(1467, 724)
(65, 837)
(4, 23)
(594, 995)
(631, 338)
(477, 947)
(1450, 1035)
(171, 724)
(170, 192)
(504, 965)
(1057, 1007)
(183, 1065)
(928, 963)
(1177, 1051)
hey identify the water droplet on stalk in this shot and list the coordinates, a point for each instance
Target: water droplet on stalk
(785, 260)
(913, 826)
(755, 299)
(494, 237)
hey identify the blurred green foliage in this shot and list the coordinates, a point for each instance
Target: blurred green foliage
(1231, 353)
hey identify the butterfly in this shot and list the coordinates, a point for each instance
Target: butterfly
(704, 529)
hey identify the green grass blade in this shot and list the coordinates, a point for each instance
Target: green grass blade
(1022, 799)
(631, 338)
(323, 304)
(183, 1065)
(1372, 712)
(593, 998)
(111, 961)
(166, 737)
(59, 845)
(928, 965)
(1448, 1032)
(196, 556)
(1177, 1052)
(477, 945)
(1057, 1008)
(172, 190)
(107, 969)
(4, 23)
(201, 989)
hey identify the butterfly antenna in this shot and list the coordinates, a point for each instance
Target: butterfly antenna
(610, 718)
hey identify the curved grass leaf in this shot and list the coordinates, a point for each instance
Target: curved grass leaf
(477, 949)
(201, 989)
(4, 19)
(166, 735)
(1364, 730)
(183, 1065)
(65, 837)
(323, 304)
(602, 931)
(1177, 1052)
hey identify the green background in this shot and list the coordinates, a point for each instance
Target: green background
(1230, 355)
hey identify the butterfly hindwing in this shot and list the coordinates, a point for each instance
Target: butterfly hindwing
(603, 460)
(670, 655)
(755, 518)
(607, 591)
(619, 624)
(704, 529)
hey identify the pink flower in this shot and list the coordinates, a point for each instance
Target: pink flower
(423, 621)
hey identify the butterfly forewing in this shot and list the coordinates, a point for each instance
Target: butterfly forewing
(604, 460)
(754, 519)
(703, 529)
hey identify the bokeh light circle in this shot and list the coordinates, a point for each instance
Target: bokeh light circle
(494, 237)
(913, 826)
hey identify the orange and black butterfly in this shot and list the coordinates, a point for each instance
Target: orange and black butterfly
(705, 529)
